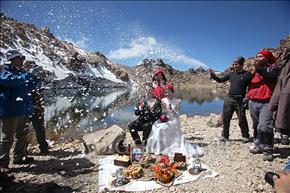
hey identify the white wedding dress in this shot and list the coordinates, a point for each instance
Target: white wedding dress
(166, 137)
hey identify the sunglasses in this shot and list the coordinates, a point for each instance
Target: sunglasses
(260, 56)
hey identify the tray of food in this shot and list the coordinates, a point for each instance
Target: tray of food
(181, 165)
(122, 160)
(133, 171)
(166, 176)
(148, 160)
(147, 175)
(165, 171)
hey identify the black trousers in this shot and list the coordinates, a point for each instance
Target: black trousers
(140, 125)
(228, 110)
(38, 126)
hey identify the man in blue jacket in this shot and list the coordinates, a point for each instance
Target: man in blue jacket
(16, 107)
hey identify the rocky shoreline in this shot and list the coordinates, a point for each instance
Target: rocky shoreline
(68, 169)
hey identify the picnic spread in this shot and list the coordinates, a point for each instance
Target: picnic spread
(124, 173)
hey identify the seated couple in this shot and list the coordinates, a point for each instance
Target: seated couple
(160, 123)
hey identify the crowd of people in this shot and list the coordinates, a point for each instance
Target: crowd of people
(263, 89)
(264, 85)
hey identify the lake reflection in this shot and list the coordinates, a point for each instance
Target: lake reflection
(83, 111)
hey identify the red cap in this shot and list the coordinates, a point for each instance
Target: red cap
(270, 57)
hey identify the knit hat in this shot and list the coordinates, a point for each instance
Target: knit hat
(270, 57)
(11, 54)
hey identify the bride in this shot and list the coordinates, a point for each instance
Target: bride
(166, 136)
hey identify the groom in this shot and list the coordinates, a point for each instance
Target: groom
(148, 111)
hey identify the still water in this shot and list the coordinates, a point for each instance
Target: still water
(77, 111)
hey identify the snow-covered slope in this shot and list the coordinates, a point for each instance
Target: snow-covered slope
(60, 60)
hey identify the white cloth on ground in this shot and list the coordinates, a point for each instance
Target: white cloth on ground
(107, 168)
(166, 137)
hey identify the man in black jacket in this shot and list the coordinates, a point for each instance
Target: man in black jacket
(148, 111)
(233, 102)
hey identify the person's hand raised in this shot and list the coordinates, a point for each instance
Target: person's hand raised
(257, 64)
(211, 72)
(252, 69)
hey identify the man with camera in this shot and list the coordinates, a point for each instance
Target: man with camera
(280, 181)
(259, 93)
(16, 108)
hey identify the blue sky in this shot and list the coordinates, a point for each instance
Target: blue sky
(183, 33)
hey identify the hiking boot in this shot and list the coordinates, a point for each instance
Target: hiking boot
(267, 156)
(245, 140)
(5, 178)
(224, 139)
(44, 151)
(285, 141)
(24, 160)
(4, 168)
(144, 143)
(256, 150)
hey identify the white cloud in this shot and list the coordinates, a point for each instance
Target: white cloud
(148, 47)
(189, 61)
(82, 42)
(137, 47)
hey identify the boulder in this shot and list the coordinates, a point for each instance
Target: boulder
(215, 121)
(104, 141)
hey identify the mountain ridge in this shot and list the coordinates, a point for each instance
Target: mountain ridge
(66, 65)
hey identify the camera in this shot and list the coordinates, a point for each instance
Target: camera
(269, 178)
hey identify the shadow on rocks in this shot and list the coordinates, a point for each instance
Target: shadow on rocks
(201, 144)
(235, 140)
(283, 152)
(194, 138)
(66, 168)
(58, 153)
(49, 187)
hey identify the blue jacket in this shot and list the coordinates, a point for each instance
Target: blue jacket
(15, 93)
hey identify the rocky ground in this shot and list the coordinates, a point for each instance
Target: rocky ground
(68, 169)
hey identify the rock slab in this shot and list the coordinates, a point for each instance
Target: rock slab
(104, 141)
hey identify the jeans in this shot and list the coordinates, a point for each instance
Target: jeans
(38, 126)
(263, 124)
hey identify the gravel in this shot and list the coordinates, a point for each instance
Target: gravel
(67, 169)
